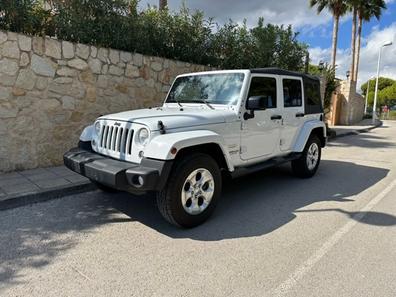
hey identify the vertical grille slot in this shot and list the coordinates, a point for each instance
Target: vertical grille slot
(106, 133)
(124, 141)
(109, 138)
(102, 132)
(129, 144)
(115, 139)
(118, 141)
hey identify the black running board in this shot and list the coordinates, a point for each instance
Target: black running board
(240, 171)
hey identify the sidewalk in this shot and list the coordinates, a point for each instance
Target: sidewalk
(30, 186)
(364, 126)
(38, 185)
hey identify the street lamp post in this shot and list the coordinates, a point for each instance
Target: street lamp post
(367, 93)
(376, 83)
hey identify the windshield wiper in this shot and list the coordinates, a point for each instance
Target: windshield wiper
(178, 102)
(204, 101)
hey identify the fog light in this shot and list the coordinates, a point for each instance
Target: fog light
(94, 142)
(138, 181)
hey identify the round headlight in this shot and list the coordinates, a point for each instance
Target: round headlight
(143, 136)
(97, 128)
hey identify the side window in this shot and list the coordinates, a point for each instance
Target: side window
(313, 102)
(264, 86)
(292, 92)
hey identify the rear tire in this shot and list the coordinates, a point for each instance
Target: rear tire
(307, 165)
(192, 191)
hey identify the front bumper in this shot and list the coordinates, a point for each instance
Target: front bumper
(149, 175)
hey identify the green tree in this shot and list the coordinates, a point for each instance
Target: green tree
(25, 16)
(383, 82)
(262, 46)
(337, 8)
(387, 96)
(234, 46)
(101, 22)
(182, 35)
(332, 82)
(386, 91)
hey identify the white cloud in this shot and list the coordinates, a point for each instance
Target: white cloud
(294, 12)
(368, 57)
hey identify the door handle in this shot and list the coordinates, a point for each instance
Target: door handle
(276, 117)
(300, 115)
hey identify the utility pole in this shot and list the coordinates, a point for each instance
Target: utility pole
(376, 83)
(367, 92)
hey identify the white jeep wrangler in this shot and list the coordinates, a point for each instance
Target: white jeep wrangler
(212, 124)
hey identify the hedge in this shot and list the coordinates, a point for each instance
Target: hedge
(184, 35)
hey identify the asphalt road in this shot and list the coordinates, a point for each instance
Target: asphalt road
(272, 235)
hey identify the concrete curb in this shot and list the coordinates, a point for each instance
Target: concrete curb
(355, 132)
(14, 201)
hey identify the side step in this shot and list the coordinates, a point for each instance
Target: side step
(240, 171)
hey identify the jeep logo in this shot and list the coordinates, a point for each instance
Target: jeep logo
(117, 124)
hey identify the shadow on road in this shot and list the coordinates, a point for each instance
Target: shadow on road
(365, 140)
(367, 217)
(31, 237)
(261, 203)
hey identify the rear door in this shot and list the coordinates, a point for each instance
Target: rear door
(293, 110)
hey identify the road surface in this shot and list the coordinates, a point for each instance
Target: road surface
(272, 235)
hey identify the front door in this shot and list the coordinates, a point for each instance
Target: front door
(260, 135)
(293, 112)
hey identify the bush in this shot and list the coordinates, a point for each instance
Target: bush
(101, 22)
(25, 16)
(183, 35)
(331, 82)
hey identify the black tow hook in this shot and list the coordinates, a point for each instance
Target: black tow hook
(161, 127)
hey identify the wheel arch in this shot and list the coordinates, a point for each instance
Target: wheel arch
(201, 141)
(211, 149)
(320, 133)
(312, 127)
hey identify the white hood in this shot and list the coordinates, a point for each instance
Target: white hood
(174, 118)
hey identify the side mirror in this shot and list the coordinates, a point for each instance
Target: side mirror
(255, 103)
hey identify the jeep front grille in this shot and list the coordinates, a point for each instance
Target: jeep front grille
(116, 139)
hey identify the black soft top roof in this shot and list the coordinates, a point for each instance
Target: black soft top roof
(278, 71)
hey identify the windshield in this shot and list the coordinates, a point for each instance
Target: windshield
(210, 88)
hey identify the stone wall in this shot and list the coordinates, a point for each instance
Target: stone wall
(347, 106)
(352, 110)
(51, 89)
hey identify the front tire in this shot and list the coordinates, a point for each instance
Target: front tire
(307, 165)
(192, 191)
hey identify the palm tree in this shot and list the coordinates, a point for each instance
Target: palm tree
(365, 11)
(352, 6)
(337, 8)
(163, 4)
